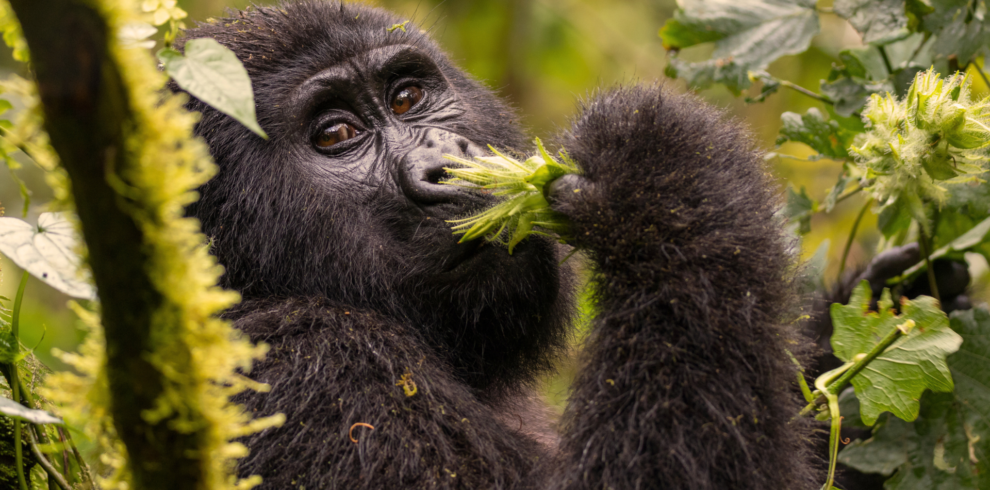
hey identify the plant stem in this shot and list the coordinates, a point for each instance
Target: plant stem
(925, 249)
(15, 384)
(835, 387)
(53, 474)
(852, 236)
(848, 194)
(979, 70)
(798, 88)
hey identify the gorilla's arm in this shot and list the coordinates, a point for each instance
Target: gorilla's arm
(332, 367)
(686, 380)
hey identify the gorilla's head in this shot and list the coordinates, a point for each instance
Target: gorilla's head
(344, 201)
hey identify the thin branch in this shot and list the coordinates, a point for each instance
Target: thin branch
(53, 474)
(926, 249)
(979, 70)
(852, 236)
(800, 89)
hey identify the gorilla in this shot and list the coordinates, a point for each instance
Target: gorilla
(402, 358)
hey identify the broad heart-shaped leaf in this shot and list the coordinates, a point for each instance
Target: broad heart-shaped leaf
(47, 251)
(812, 129)
(879, 21)
(748, 36)
(213, 74)
(948, 447)
(15, 410)
(895, 380)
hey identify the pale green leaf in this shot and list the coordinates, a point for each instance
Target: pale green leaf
(895, 380)
(213, 74)
(879, 21)
(47, 251)
(15, 410)
(748, 36)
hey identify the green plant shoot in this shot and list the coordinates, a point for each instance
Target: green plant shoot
(522, 187)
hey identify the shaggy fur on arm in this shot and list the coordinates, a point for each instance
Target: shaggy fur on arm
(686, 382)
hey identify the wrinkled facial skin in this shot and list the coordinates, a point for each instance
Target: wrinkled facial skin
(345, 199)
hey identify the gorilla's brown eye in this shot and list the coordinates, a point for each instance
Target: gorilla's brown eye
(406, 99)
(331, 135)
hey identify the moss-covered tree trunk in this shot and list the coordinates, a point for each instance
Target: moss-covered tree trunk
(87, 114)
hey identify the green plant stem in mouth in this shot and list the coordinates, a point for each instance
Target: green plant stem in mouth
(523, 209)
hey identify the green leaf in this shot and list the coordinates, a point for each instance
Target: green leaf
(893, 219)
(895, 380)
(799, 208)
(864, 62)
(884, 452)
(833, 194)
(15, 410)
(948, 447)
(47, 251)
(958, 29)
(9, 348)
(812, 129)
(748, 36)
(850, 94)
(213, 74)
(879, 21)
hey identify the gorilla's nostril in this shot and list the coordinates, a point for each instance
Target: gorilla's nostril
(430, 143)
(463, 145)
(435, 175)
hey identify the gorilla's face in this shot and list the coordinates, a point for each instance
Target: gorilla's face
(375, 127)
(345, 200)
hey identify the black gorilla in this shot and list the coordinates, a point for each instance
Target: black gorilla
(334, 232)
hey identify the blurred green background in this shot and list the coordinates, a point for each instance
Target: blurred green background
(544, 56)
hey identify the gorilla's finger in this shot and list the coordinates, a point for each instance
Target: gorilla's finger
(564, 191)
(889, 264)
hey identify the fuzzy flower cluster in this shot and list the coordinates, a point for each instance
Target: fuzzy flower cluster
(520, 184)
(935, 136)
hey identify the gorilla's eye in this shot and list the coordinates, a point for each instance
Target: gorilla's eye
(406, 99)
(331, 135)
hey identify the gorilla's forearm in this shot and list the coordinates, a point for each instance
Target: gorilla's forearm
(332, 367)
(686, 380)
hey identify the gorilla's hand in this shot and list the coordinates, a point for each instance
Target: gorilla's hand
(676, 212)
(951, 277)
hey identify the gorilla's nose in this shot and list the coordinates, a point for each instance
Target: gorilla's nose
(421, 171)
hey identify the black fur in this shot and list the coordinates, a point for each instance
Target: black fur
(350, 274)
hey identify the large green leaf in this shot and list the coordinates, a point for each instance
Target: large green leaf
(48, 251)
(879, 21)
(824, 136)
(894, 380)
(799, 208)
(213, 74)
(948, 447)
(748, 36)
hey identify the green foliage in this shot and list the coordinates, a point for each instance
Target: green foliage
(212, 73)
(826, 137)
(947, 447)
(521, 185)
(894, 380)
(48, 251)
(748, 36)
(879, 21)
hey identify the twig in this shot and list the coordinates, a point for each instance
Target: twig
(15, 385)
(925, 249)
(852, 236)
(886, 61)
(53, 474)
(798, 88)
(979, 70)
